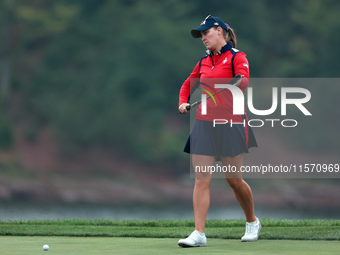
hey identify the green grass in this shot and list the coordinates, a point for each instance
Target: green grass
(319, 237)
(223, 229)
(13, 245)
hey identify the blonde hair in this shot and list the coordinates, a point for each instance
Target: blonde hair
(230, 36)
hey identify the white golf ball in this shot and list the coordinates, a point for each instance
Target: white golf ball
(46, 247)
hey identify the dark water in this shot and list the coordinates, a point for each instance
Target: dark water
(15, 211)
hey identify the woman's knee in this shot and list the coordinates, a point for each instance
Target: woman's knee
(202, 182)
(235, 183)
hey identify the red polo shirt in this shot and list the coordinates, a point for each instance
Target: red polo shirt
(218, 69)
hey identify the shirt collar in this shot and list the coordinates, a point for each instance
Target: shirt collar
(225, 48)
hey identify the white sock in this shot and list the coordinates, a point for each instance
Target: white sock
(202, 234)
(254, 222)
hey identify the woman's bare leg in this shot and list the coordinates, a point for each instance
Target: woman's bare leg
(241, 189)
(201, 196)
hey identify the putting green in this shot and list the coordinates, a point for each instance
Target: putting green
(14, 245)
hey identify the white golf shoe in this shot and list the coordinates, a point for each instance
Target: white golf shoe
(252, 231)
(196, 239)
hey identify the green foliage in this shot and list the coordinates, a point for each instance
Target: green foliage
(108, 72)
(101, 81)
(6, 133)
(17, 171)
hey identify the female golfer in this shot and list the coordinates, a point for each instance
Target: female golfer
(209, 141)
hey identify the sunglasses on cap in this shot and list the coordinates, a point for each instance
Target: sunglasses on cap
(226, 26)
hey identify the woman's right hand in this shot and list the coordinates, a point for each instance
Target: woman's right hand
(183, 108)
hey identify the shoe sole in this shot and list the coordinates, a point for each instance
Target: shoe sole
(249, 240)
(192, 246)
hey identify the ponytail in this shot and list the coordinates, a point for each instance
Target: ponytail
(230, 36)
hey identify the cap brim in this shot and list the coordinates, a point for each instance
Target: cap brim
(196, 33)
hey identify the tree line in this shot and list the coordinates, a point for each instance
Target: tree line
(108, 73)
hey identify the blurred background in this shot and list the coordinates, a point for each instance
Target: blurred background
(89, 126)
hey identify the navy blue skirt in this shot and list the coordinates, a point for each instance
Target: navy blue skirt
(222, 140)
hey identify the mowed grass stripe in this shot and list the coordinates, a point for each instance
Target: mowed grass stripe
(14, 245)
(212, 223)
(225, 229)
